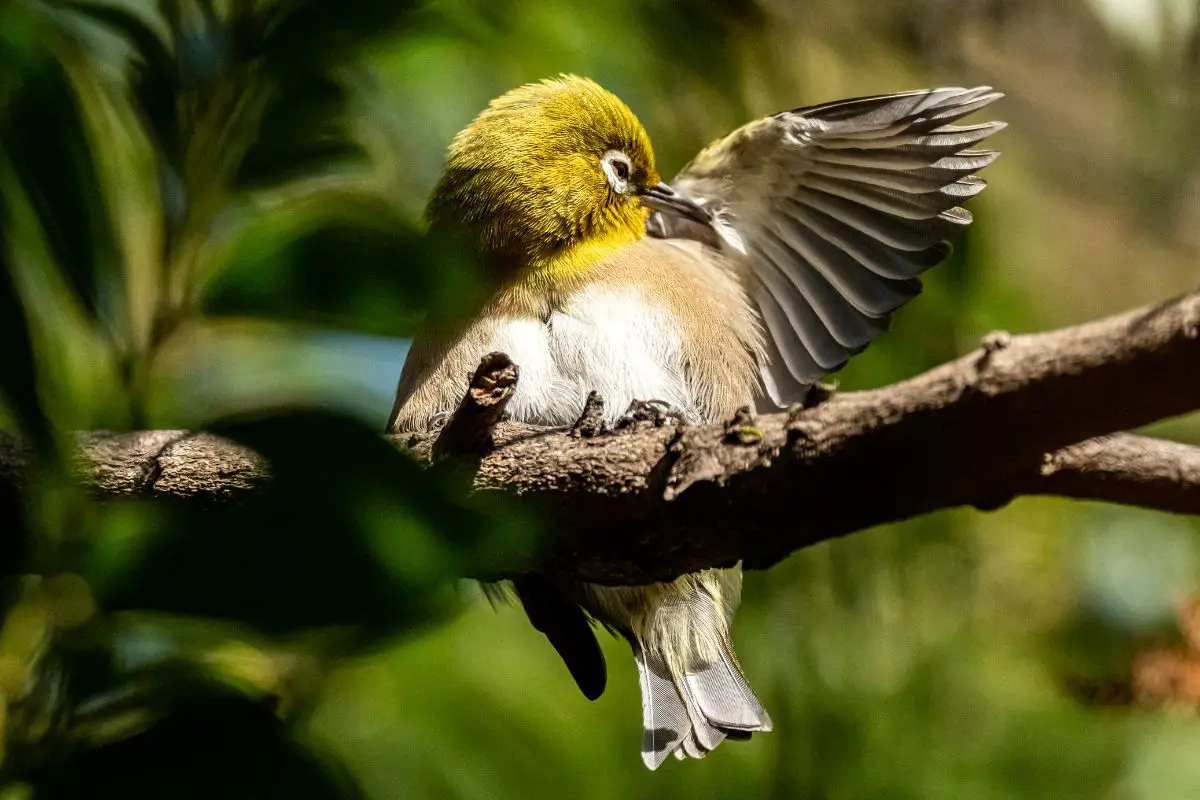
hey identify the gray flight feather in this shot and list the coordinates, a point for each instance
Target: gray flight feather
(664, 719)
(694, 695)
(834, 211)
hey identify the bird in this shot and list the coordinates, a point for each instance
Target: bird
(780, 251)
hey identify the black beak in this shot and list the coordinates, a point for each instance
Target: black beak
(662, 197)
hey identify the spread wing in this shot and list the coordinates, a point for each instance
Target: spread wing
(834, 211)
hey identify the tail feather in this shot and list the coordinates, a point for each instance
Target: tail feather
(725, 697)
(692, 747)
(665, 721)
(704, 735)
(691, 702)
(694, 695)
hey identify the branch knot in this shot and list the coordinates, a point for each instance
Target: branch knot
(469, 430)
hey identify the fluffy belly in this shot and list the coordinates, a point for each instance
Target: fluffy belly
(610, 340)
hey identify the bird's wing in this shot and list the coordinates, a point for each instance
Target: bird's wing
(834, 211)
(437, 370)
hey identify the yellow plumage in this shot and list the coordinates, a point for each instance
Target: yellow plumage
(532, 197)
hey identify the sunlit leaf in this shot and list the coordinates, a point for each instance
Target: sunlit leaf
(155, 80)
(149, 47)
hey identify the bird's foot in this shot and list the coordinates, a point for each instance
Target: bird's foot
(656, 412)
(438, 421)
(742, 428)
(817, 394)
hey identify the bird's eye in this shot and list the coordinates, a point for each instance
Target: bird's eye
(618, 170)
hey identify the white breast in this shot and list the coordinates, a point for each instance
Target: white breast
(613, 340)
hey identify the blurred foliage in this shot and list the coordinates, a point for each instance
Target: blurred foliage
(387, 573)
(210, 217)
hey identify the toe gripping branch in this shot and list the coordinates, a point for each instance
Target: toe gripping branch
(656, 412)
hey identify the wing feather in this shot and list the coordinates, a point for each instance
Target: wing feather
(832, 212)
(863, 292)
(806, 347)
(794, 259)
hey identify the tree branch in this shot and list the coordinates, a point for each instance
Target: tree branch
(1122, 468)
(469, 430)
(1019, 416)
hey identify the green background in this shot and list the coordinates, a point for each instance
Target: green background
(211, 218)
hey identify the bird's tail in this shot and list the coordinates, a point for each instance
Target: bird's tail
(694, 694)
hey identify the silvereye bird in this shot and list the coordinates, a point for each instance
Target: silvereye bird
(780, 251)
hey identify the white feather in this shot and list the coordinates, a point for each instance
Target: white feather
(611, 339)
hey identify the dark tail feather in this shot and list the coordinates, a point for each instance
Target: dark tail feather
(566, 626)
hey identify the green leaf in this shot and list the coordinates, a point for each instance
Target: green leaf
(344, 261)
(45, 137)
(303, 131)
(215, 742)
(327, 31)
(149, 47)
(18, 368)
(349, 532)
(158, 95)
(156, 73)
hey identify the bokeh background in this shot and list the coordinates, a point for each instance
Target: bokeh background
(211, 217)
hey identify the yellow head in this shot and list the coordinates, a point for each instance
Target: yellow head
(547, 179)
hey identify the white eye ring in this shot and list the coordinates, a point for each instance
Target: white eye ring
(618, 169)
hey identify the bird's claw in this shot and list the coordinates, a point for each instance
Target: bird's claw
(656, 412)
(817, 394)
(742, 428)
(438, 421)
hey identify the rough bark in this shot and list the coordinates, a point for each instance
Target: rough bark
(1122, 468)
(469, 430)
(1022, 415)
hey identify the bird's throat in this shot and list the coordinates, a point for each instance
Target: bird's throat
(570, 264)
